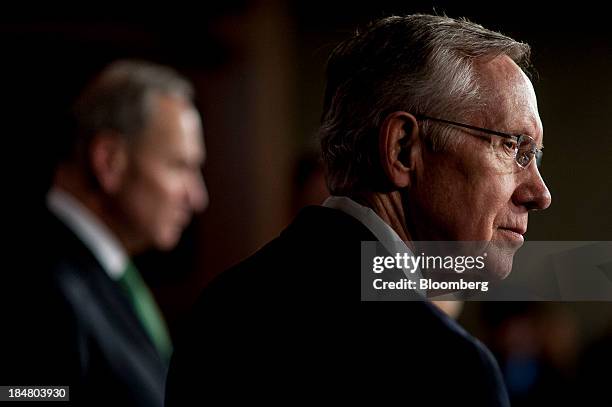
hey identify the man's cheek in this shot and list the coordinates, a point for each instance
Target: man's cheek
(475, 227)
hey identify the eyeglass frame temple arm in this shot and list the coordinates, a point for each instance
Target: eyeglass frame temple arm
(467, 126)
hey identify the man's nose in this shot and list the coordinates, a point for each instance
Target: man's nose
(197, 194)
(532, 192)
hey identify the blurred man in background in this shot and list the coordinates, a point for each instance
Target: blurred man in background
(130, 182)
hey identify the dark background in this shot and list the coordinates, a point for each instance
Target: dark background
(258, 67)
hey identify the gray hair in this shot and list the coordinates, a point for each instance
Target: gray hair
(120, 98)
(422, 64)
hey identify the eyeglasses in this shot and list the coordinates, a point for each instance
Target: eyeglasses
(525, 148)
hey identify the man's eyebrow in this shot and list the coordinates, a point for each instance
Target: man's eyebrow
(529, 129)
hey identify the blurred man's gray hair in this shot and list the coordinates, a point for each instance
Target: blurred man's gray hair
(120, 98)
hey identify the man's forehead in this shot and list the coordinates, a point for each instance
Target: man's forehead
(510, 100)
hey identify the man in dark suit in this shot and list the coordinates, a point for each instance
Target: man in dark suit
(130, 182)
(430, 132)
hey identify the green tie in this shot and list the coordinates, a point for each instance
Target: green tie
(146, 309)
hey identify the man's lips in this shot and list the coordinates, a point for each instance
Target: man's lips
(513, 232)
(521, 230)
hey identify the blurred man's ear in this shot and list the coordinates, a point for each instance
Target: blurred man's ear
(108, 154)
(398, 148)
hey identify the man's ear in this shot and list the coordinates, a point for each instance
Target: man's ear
(108, 155)
(398, 147)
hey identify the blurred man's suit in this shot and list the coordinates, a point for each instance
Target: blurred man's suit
(286, 325)
(83, 330)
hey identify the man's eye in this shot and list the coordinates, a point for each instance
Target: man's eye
(177, 164)
(510, 144)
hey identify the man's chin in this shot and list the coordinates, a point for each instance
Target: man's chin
(500, 257)
(167, 242)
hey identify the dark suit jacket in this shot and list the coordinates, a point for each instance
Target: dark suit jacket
(287, 325)
(74, 326)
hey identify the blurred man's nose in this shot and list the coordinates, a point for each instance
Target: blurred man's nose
(198, 195)
(532, 192)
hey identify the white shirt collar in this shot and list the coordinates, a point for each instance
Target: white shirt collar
(98, 238)
(379, 228)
